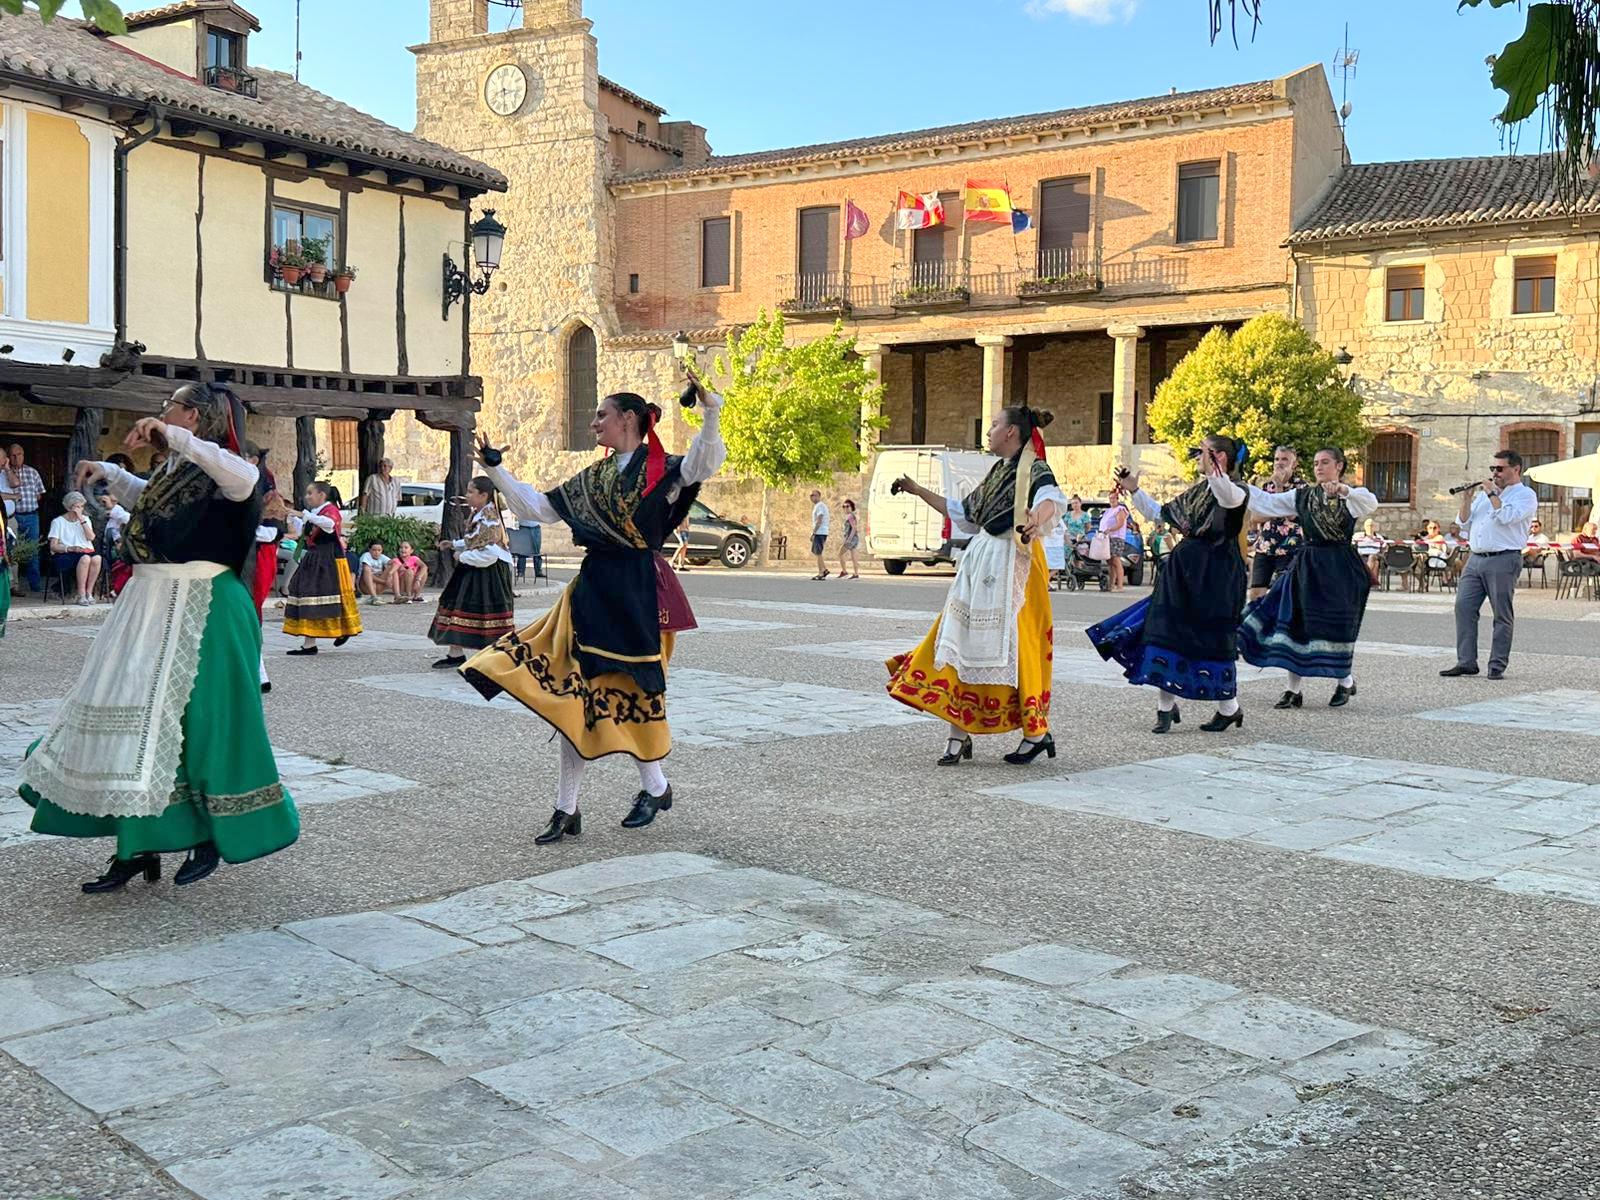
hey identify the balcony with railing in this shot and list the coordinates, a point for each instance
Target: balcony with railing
(1064, 271)
(231, 79)
(815, 294)
(931, 285)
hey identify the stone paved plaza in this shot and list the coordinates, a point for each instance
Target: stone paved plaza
(1337, 954)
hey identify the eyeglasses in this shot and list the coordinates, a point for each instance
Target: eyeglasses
(1497, 467)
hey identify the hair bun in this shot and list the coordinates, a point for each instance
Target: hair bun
(654, 410)
(1043, 417)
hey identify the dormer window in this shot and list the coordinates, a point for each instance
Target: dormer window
(224, 69)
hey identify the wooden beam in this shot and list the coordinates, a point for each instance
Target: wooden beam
(276, 150)
(120, 400)
(181, 128)
(434, 186)
(18, 375)
(318, 161)
(396, 178)
(228, 140)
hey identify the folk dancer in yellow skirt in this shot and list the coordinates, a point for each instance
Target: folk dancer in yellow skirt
(161, 743)
(984, 667)
(595, 665)
(321, 597)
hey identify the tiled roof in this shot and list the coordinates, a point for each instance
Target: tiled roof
(171, 12)
(632, 97)
(1152, 107)
(69, 54)
(1379, 199)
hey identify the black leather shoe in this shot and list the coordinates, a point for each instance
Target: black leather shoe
(1290, 700)
(645, 808)
(1219, 722)
(1028, 751)
(1458, 669)
(562, 824)
(302, 650)
(201, 862)
(1341, 696)
(1496, 673)
(266, 687)
(955, 750)
(1166, 720)
(120, 870)
(445, 663)
(339, 641)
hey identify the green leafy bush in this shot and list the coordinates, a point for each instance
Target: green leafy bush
(391, 531)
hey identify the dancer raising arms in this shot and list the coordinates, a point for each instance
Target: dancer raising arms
(595, 665)
(321, 597)
(161, 743)
(1309, 621)
(476, 606)
(1183, 639)
(985, 665)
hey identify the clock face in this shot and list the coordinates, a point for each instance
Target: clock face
(505, 89)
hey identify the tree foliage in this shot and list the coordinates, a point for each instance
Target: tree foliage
(1552, 66)
(101, 13)
(795, 413)
(1269, 384)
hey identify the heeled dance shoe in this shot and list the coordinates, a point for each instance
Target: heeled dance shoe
(301, 650)
(956, 749)
(120, 870)
(645, 807)
(1219, 722)
(1028, 751)
(339, 641)
(562, 824)
(1290, 700)
(445, 663)
(201, 862)
(1341, 696)
(1166, 720)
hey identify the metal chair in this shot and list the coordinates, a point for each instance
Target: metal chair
(1535, 561)
(1577, 577)
(1397, 559)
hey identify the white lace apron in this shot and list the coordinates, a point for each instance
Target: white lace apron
(978, 630)
(115, 746)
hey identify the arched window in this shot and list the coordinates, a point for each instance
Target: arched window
(1389, 473)
(582, 386)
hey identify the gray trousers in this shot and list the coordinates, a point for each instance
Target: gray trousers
(1495, 579)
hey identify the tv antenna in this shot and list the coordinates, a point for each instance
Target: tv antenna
(297, 41)
(1344, 66)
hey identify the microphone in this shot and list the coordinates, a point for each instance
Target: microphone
(1465, 487)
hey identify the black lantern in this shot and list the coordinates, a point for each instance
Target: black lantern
(488, 239)
(1344, 358)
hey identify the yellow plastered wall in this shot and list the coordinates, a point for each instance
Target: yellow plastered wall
(374, 248)
(171, 44)
(58, 226)
(163, 196)
(244, 317)
(433, 345)
(316, 319)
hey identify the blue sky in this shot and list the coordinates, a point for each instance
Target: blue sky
(758, 78)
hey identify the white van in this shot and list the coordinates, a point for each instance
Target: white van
(902, 529)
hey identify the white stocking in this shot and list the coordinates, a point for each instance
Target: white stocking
(653, 779)
(1295, 683)
(1348, 681)
(1167, 702)
(957, 734)
(262, 669)
(1229, 706)
(572, 769)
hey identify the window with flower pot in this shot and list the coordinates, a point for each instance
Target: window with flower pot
(304, 255)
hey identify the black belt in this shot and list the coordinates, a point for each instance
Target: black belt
(1493, 553)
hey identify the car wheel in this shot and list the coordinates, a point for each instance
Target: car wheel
(735, 552)
(895, 566)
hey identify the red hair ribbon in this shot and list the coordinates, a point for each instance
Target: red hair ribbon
(1038, 444)
(655, 462)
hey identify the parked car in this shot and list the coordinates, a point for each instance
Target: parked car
(420, 501)
(901, 529)
(714, 537)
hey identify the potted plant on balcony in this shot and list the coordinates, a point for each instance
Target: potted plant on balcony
(932, 296)
(291, 265)
(1067, 284)
(799, 306)
(315, 251)
(343, 277)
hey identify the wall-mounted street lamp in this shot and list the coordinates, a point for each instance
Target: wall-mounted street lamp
(488, 239)
(1344, 358)
(680, 345)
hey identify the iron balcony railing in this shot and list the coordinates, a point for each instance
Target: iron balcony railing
(231, 79)
(815, 292)
(1063, 270)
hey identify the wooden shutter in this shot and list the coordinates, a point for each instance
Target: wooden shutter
(819, 242)
(1064, 214)
(344, 452)
(1542, 267)
(716, 251)
(1404, 278)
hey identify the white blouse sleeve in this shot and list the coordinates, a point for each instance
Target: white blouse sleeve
(1228, 493)
(1272, 504)
(1361, 503)
(315, 518)
(1148, 508)
(125, 487)
(528, 502)
(235, 477)
(707, 452)
(956, 508)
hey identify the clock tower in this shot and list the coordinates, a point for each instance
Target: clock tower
(526, 100)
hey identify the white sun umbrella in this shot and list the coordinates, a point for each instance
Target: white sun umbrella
(1580, 472)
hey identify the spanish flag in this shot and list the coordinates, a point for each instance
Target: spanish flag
(986, 200)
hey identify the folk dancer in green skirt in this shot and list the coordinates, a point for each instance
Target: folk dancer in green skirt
(161, 743)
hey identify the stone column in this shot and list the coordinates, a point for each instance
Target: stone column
(994, 374)
(84, 443)
(872, 355)
(1124, 391)
(369, 446)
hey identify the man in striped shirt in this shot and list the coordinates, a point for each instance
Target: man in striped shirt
(21, 484)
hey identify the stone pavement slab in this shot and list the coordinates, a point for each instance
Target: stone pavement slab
(816, 1038)
(1560, 710)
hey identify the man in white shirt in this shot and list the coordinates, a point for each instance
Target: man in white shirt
(819, 532)
(381, 496)
(378, 573)
(1494, 521)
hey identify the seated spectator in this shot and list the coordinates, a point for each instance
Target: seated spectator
(379, 573)
(1587, 543)
(72, 543)
(1369, 543)
(411, 575)
(1538, 539)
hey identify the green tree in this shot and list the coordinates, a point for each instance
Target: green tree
(795, 413)
(1269, 384)
(100, 13)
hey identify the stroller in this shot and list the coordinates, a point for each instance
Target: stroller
(1081, 569)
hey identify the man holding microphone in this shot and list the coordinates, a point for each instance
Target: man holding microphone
(1494, 518)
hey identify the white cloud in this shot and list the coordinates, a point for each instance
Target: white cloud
(1101, 12)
